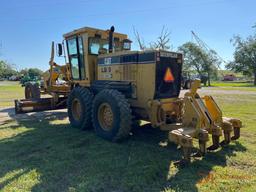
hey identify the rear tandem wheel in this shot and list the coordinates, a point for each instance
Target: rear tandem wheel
(111, 115)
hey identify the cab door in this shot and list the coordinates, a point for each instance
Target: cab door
(76, 58)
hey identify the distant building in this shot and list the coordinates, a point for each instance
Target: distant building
(229, 77)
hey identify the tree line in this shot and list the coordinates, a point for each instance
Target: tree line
(8, 70)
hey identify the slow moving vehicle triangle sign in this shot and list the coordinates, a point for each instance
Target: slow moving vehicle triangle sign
(168, 77)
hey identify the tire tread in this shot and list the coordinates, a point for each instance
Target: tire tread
(125, 113)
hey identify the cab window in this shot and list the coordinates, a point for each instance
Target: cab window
(96, 44)
(81, 57)
(76, 57)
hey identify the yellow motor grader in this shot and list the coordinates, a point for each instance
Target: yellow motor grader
(109, 86)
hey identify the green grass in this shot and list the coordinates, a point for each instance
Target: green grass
(49, 155)
(9, 91)
(234, 85)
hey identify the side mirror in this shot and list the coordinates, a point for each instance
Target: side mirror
(59, 49)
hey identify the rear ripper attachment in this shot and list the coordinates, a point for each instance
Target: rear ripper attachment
(201, 117)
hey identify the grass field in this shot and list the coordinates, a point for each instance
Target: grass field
(10, 91)
(229, 85)
(48, 155)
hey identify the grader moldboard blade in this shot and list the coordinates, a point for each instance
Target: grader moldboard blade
(202, 117)
(40, 104)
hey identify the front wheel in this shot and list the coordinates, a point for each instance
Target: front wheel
(80, 107)
(32, 91)
(111, 115)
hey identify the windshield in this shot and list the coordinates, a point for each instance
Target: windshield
(98, 45)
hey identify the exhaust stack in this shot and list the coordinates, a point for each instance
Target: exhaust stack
(110, 39)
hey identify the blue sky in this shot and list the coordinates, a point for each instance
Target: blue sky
(29, 26)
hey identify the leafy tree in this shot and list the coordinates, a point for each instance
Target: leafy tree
(31, 72)
(211, 65)
(23, 72)
(195, 58)
(6, 69)
(34, 72)
(244, 56)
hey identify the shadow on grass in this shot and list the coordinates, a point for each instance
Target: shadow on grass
(70, 159)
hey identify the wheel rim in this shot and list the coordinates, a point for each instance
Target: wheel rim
(105, 116)
(76, 109)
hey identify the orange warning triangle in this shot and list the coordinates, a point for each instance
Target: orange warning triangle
(168, 77)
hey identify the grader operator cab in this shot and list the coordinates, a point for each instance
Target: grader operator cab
(110, 86)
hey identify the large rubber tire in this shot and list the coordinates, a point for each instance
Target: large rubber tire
(80, 107)
(32, 91)
(121, 115)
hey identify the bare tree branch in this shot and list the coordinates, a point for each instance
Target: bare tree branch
(163, 40)
(139, 40)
